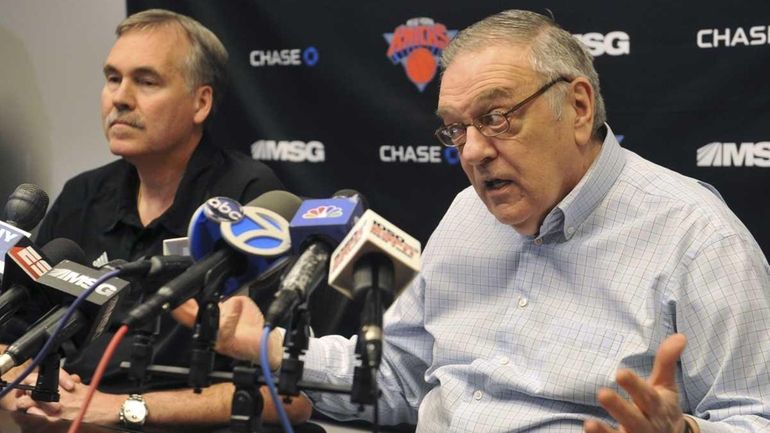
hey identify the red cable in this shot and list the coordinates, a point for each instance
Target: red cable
(108, 353)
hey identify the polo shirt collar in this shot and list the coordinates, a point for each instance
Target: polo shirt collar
(191, 192)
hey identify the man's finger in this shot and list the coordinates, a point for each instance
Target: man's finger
(231, 315)
(644, 396)
(595, 426)
(624, 412)
(664, 367)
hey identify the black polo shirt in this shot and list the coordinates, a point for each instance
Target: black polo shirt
(97, 209)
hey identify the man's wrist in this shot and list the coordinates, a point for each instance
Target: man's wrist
(690, 426)
(133, 412)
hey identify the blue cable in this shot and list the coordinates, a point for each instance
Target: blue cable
(269, 381)
(47, 346)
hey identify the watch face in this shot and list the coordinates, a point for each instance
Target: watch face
(134, 411)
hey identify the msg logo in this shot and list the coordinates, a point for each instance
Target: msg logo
(288, 150)
(732, 155)
(615, 43)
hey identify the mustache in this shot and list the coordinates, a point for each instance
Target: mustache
(130, 119)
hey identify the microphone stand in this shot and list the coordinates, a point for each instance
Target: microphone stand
(297, 343)
(47, 385)
(205, 330)
(247, 405)
(142, 350)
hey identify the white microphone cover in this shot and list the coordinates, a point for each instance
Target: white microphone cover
(374, 234)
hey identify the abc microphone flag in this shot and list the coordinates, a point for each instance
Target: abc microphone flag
(374, 234)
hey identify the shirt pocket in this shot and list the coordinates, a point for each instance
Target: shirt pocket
(564, 360)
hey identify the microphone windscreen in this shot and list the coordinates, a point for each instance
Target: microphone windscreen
(26, 206)
(59, 249)
(351, 193)
(283, 203)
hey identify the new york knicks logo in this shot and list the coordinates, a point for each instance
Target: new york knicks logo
(417, 46)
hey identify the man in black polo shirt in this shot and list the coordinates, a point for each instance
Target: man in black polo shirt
(164, 76)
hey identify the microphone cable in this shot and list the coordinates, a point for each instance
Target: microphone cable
(263, 360)
(109, 352)
(47, 346)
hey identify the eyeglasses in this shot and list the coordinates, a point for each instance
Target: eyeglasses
(490, 125)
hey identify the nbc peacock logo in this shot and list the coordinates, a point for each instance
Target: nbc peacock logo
(417, 46)
(323, 211)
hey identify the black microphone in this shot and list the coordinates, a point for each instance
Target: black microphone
(24, 209)
(317, 227)
(26, 206)
(19, 289)
(152, 267)
(26, 346)
(218, 218)
(68, 279)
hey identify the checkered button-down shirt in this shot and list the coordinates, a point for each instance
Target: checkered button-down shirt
(508, 333)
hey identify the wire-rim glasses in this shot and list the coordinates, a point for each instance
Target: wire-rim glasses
(490, 124)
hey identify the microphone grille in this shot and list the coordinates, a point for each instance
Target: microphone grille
(26, 206)
(283, 203)
(59, 249)
(352, 194)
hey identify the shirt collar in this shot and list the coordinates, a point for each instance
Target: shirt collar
(564, 220)
(191, 190)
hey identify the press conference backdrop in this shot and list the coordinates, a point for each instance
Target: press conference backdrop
(335, 94)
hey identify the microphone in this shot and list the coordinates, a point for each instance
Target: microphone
(24, 209)
(376, 258)
(20, 288)
(317, 227)
(90, 320)
(26, 206)
(26, 346)
(153, 267)
(228, 241)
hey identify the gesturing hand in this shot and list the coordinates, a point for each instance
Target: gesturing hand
(240, 332)
(654, 405)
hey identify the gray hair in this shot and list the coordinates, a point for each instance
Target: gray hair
(553, 52)
(206, 63)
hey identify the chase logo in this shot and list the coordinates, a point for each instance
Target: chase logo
(420, 154)
(261, 232)
(287, 57)
(732, 155)
(417, 46)
(715, 38)
(323, 211)
(222, 209)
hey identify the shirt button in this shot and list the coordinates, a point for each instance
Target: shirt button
(478, 395)
(538, 241)
(504, 360)
(571, 230)
(523, 302)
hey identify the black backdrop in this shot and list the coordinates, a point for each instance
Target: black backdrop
(316, 93)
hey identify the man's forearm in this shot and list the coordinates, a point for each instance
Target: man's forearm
(213, 406)
(183, 406)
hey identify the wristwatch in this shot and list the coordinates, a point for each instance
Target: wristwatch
(133, 412)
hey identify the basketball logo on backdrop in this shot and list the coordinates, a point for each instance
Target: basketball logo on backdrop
(417, 47)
